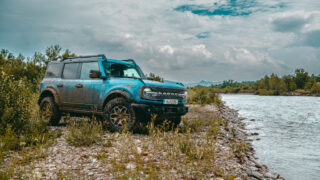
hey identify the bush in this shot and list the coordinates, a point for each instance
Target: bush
(316, 88)
(84, 133)
(15, 98)
(20, 124)
(203, 95)
(265, 92)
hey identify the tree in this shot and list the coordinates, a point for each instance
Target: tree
(290, 85)
(154, 77)
(301, 77)
(53, 53)
(68, 53)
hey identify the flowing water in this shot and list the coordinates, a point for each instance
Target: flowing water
(289, 132)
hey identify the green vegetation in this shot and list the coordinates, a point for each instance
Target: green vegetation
(301, 83)
(21, 129)
(203, 95)
(82, 132)
(154, 77)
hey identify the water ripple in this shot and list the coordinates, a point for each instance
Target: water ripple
(289, 132)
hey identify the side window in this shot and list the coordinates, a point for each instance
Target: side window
(70, 71)
(53, 71)
(87, 67)
(106, 67)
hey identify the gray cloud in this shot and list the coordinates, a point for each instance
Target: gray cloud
(311, 38)
(290, 23)
(177, 45)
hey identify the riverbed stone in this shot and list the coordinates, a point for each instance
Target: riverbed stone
(270, 175)
(257, 175)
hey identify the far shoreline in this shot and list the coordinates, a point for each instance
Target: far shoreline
(253, 93)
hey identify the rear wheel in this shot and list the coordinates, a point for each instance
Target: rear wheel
(119, 114)
(49, 111)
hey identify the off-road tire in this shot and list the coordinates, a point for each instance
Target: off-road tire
(54, 119)
(109, 114)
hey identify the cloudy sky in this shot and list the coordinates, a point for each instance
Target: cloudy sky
(180, 40)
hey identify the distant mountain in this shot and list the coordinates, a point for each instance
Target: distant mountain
(203, 83)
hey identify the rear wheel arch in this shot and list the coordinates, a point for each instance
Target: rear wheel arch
(49, 92)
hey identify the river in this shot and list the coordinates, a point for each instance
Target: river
(289, 132)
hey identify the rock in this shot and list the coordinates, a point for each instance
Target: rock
(270, 175)
(254, 134)
(252, 119)
(256, 175)
(258, 165)
(131, 165)
(238, 178)
(139, 151)
(211, 175)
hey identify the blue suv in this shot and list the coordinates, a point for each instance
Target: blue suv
(117, 91)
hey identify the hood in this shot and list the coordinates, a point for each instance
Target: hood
(163, 84)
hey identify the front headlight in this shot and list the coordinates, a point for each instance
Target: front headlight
(147, 93)
(185, 95)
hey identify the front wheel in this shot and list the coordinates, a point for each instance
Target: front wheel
(119, 114)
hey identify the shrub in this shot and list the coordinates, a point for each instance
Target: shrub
(265, 92)
(192, 125)
(316, 88)
(84, 133)
(15, 98)
(20, 124)
(203, 95)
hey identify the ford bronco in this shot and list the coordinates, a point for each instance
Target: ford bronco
(116, 91)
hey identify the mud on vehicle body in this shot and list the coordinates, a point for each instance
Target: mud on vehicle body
(115, 90)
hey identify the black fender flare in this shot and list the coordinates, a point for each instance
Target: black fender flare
(51, 92)
(118, 93)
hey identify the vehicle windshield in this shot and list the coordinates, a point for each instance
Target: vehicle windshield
(122, 70)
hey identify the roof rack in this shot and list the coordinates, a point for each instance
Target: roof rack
(90, 56)
(130, 60)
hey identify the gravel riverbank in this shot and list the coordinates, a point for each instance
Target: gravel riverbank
(211, 143)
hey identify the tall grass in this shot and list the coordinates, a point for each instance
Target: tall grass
(82, 132)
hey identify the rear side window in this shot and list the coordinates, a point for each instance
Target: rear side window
(53, 71)
(87, 67)
(70, 71)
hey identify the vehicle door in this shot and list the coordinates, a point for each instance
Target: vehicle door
(69, 87)
(91, 91)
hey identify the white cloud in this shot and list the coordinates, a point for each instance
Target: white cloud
(273, 38)
(166, 49)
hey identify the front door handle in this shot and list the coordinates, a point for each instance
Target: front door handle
(79, 85)
(60, 85)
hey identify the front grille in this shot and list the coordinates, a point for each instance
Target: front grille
(168, 93)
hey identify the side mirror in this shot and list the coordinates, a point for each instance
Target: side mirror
(94, 74)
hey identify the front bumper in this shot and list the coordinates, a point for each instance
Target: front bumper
(173, 110)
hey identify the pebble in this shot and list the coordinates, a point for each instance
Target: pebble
(139, 151)
(131, 165)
